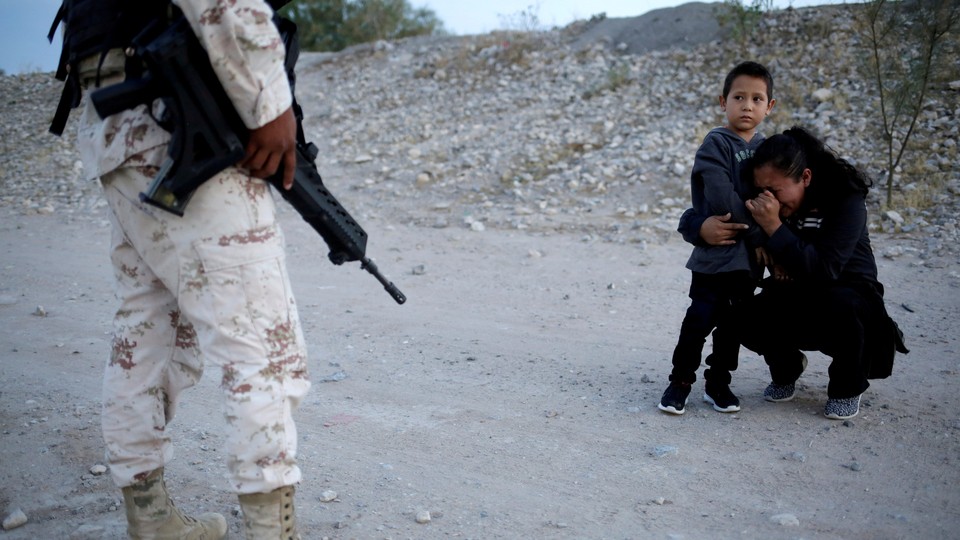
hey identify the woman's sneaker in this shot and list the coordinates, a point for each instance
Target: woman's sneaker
(780, 392)
(841, 409)
(784, 392)
(674, 398)
(720, 396)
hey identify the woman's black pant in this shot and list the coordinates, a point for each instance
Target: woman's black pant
(835, 319)
(713, 298)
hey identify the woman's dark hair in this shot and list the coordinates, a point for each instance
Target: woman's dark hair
(797, 149)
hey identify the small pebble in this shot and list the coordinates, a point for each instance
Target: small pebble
(799, 457)
(328, 496)
(787, 520)
(15, 519)
(664, 450)
(423, 516)
(98, 469)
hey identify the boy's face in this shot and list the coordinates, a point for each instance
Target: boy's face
(746, 105)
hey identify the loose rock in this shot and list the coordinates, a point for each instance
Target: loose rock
(15, 519)
(787, 520)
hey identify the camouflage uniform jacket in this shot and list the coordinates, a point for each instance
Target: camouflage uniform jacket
(247, 54)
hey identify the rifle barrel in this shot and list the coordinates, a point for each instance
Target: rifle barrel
(369, 266)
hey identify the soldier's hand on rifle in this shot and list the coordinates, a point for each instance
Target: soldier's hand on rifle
(272, 145)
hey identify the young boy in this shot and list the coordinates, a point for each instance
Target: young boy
(723, 275)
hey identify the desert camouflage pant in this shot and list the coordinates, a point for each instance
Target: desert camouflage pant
(210, 286)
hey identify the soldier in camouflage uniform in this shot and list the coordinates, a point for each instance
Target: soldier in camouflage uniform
(210, 287)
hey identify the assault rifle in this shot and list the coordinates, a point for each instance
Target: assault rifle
(207, 136)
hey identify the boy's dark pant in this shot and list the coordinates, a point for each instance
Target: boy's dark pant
(713, 298)
(835, 319)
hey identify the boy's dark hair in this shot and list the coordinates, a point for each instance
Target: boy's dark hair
(751, 69)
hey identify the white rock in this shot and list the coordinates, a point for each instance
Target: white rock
(423, 516)
(823, 94)
(787, 520)
(15, 519)
(893, 252)
(328, 496)
(98, 469)
(893, 216)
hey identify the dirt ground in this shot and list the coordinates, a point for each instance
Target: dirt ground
(513, 396)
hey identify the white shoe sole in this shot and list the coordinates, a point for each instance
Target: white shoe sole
(731, 408)
(670, 409)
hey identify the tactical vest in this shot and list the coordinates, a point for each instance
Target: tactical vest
(92, 28)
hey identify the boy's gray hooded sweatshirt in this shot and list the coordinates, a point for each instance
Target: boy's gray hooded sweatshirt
(717, 187)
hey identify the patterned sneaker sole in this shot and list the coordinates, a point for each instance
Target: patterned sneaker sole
(837, 416)
(727, 409)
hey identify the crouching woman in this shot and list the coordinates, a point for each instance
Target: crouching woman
(825, 295)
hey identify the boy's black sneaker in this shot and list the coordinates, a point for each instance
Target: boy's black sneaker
(674, 398)
(720, 396)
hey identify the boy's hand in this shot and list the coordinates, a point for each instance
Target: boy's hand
(719, 231)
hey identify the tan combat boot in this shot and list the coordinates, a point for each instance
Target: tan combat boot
(270, 516)
(151, 514)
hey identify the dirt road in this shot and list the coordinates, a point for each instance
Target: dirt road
(513, 396)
